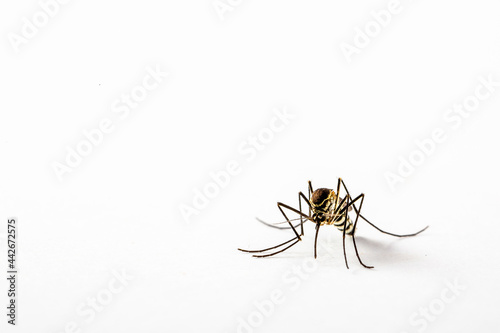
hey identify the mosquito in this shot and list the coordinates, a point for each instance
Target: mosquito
(326, 207)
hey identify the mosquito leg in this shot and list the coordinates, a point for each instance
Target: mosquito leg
(296, 238)
(348, 206)
(272, 254)
(354, 232)
(346, 191)
(316, 239)
(269, 248)
(290, 223)
(373, 225)
(344, 211)
(338, 193)
(301, 218)
(310, 192)
(339, 206)
(343, 231)
(302, 195)
(390, 233)
(274, 225)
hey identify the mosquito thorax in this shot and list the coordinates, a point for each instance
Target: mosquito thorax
(321, 200)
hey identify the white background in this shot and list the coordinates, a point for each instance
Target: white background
(119, 209)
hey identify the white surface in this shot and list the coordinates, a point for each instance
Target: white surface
(119, 209)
